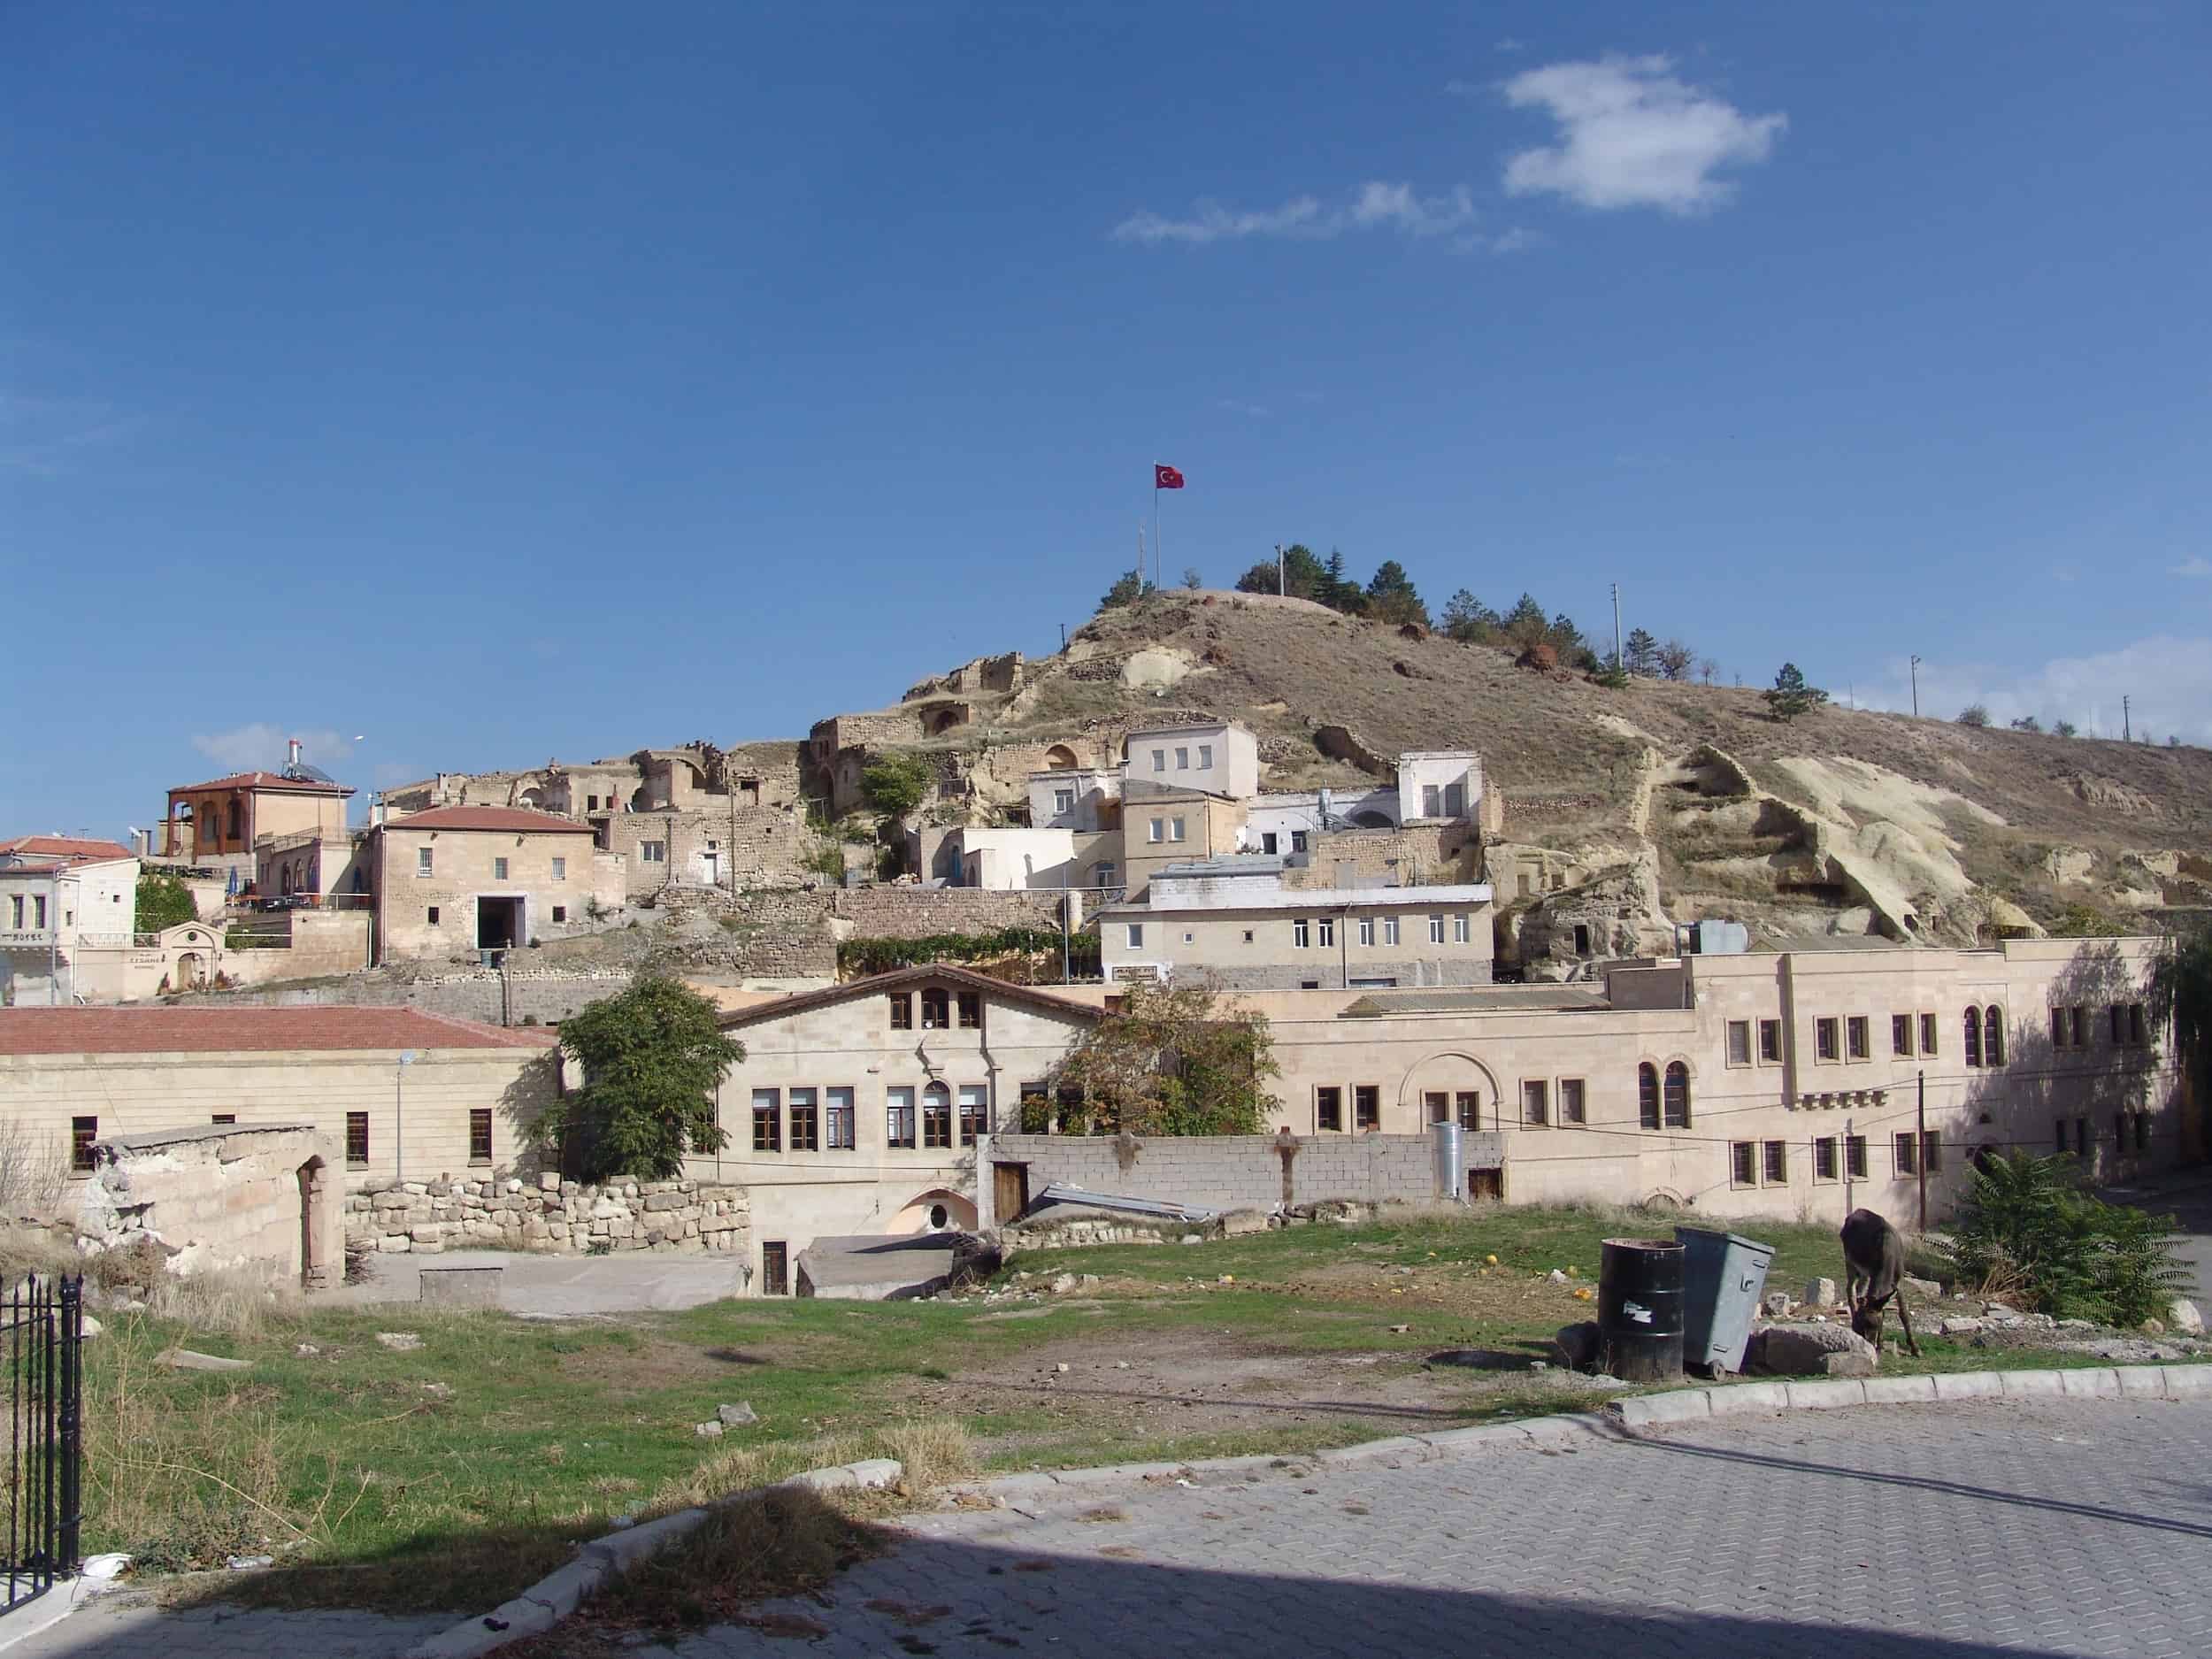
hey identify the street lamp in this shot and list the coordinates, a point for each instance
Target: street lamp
(399, 1115)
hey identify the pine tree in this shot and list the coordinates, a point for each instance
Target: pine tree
(1641, 654)
(1470, 621)
(1391, 596)
(1791, 696)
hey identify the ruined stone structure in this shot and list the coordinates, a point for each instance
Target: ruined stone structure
(210, 1198)
(546, 1214)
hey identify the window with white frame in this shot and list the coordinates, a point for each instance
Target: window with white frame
(1182, 760)
(1301, 933)
(1136, 935)
(499, 869)
(560, 870)
(422, 861)
(1462, 929)
(1390, 930)
(1159, 760)
(1366, 930)
(652, 852)
(1431, 800)
(898, 1117)
(1062, 802)
(1158, 829)
(1175, 829)
(1205, 756)
(1325, 929)
(1436, 930)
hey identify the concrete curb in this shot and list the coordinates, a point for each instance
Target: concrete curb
(1692, 1405)
(554, 1597)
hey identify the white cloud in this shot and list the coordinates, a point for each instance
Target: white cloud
(2199, 566)
(1375, 206)
(261, 746)
(2167, 680)
(1632, 135)
(1515, 241)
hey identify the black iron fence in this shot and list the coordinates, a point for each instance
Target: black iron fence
(42, 1326)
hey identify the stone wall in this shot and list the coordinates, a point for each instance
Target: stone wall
(211, 1198)
(542, 995)
(898, 912)
(1231, 1171)
(1426, 854)
(548, 1215)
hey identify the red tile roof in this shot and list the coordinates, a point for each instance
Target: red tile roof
(204, 1030)
(264, 781)
(69, 849)
(515, 820)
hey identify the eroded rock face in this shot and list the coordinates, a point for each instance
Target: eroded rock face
(1613, 913)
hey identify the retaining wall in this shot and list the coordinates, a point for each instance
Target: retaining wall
(547, 1214)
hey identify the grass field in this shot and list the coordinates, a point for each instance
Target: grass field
(451, 1475)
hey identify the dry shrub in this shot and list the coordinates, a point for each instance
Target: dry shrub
(931, 1452)
(785, 1541)
(242, 1302)
(34, 1170)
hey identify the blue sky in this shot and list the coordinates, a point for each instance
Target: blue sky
(497, 382)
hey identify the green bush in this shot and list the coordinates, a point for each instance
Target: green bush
(2025, 1231)
(856, 957)
(163, 902)
(895, 783)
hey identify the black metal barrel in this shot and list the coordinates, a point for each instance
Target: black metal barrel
(1639, 1309)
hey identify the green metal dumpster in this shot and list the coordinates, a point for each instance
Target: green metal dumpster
(1724, 1275)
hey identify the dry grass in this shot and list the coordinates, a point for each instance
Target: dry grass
(931, 1452)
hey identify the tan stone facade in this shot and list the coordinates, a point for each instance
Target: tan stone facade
(454, 880)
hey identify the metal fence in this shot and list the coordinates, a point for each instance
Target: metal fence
(41, 1325)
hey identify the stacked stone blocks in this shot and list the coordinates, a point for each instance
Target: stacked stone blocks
(547, 1214)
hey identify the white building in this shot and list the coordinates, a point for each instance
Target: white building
(60, 894)
(1079, 798)
(1214, 757)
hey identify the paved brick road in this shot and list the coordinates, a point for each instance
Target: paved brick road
(1938, 1531)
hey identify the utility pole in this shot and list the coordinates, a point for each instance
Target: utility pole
(1915, 688)
(1920, 1149)
(1618, 663)
(2127, 731)
(1282, 585)
(399, 1114)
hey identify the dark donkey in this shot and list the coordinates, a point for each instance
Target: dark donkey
(1874, 1261)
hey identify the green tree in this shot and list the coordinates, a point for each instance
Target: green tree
(895, 783)
(2027, 723)
(1171, 1062)
(1192, 580)
(2181, 1001)
(652, 1057)
(1132, 588)
(2085, 921)
(1337, 590)
(1525, 624)
(162, 901)
(1391, 596)
(1974, 714)
(2066, 728)
(1566, 639)
(1611, 673)
(1642, 654)
(1468, 620)
(1302, 574)
(1791, 696)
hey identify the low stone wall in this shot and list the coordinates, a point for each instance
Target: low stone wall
(548, 1215)
(541, 996)
(1230, 1172)
(895, 912)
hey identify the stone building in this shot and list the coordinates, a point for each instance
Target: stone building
(62, 899)
(219, 824)
(458, 880)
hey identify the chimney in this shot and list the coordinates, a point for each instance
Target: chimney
(293, 744)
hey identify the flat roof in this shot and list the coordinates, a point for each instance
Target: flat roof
(209, 1030)
(1477, 1000)
(1307, 899)
(513, 820)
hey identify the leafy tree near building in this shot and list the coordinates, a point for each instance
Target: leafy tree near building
(652, 1057)
(162, 901)
(1171, 1062)
(1791, 696)
(1974, 714)
(895, 783)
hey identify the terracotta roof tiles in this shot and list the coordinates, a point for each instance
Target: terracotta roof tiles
(206, 1030)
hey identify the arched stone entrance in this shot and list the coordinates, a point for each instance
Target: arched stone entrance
(938, 1210)
(191, 972)
(1453, 1086)
(317, 1271)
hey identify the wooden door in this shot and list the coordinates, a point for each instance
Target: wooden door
(1010, 1190)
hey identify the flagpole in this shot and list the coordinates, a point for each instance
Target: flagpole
(1155, 524)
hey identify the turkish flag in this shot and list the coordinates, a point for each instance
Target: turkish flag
(1166, 477)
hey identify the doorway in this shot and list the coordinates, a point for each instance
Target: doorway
(315, 1265)
(498, 924)
(775, 1268)
(1010, 1191)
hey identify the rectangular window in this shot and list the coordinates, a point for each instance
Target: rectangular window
(221, 1118)
(805, 1128)
(430, 916)
(971, 1005)
(936, 1116)
(1468, 1104)
(1390, 930)
(1572, 1109)
(898, 1117)
(2081, 1136)
(2136, 1034)
(1743, 1167)
(1366, 1106)
(1175, 829)
(1326, 932)
(1860, 1040)
(2081, 1027)
(1908, 1151)
(1771, 1041)
(1366, 930)
(1300, 935)
(480, 1134)
(902, 1011)
(1159, 830)
(1159, 760)
(499, 869)
(1182, 760)
(560, 913)
(1136, 935)
(560, 870)
(2142, 1131)
(1739, 1042)
(1438, 1105)
(356, 1139)
(975, 1112)
(1535, 1101)
(1778, 1163)
(767, 1120)
(2119, 1025)
(1205, 756)
(1824, 1040)
(936, 1010)
(652, 852)
(1328, 1108)
(1854, 1156)
(422, 861)
(1267, 843)
(591, 803)
(16, 907)
(1931, 1151)
(1297, 841)
(82, 1132)
(1825, 1158)
(840, 1128)
(1431, 800)
(2058, 1030)
(1462, 930)
(1063, 803)
(2059, 1126)
(1455, 800)
(1928, 1035)
(1901, 1034)
(1436, 930)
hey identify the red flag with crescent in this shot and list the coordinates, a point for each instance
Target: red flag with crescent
(1166, 477)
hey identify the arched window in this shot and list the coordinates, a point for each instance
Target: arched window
(230, 818)
(1647, 1095)
(1677, 1095)
(1973, 1036)
(1994, 1036)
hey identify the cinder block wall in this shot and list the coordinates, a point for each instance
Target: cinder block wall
(1225, 1171)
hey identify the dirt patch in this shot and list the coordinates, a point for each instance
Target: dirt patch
(651, 1363)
